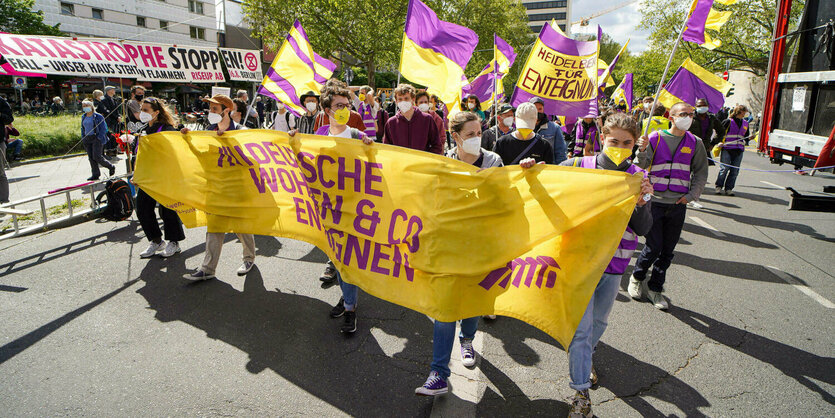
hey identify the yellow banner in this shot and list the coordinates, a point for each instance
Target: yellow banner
(420, 230)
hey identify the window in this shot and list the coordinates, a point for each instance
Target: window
(140, 21)
(197, 33)
(98, 14)
(545, 4)
(67, 9)
(163, 25)
(546, 16)
(195, 6)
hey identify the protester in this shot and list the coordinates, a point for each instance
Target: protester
(657, 122)
(94, 136)
(13, 146)
(677, 166)
(97, 103)
(466, 132)
(706, 127)
(367, 108)
(524, 142)
(505, 126)
(111, 105)
(224, 115)
(620, 132)
(157, 118)
(425, 106)
(732, 150)
(260, 107)
(135, 104)
(549, 131)
(57, 105)
(307, 122)
(586, 137)
(410, 127)
(474, 105)
(336, 104)
(283, 120)
(6, 118)
(252, 121)
(644, 109)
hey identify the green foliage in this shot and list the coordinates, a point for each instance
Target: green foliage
(19, 17)
(49, 135)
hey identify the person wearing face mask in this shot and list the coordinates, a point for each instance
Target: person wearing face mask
(354, 120)
(135, 103)
(474, 105)
(657, 122)
(619, 132)
(466, 132)
(307, 122)
(644, 109)
(367, 108)
(238, 112)
(505, 126)
(549, 131)
(425, 106)
(94, 136)
(677, 165)
(706, 127)
(586, 136)
(524, 142)
(736, 128)
(410, 127)
(283, 120)
(157, 118)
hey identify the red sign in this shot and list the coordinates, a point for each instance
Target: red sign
(725, 76)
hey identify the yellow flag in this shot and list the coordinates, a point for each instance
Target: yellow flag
(417, 229)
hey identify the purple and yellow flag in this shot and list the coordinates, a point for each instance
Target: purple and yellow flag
(563, 72)
(435, 52)
(605, 79)
(295, 71)
(624, 92)
(703, 16)
(492, 74)
(692, 82)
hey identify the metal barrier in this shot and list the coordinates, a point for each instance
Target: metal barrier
(9, 208)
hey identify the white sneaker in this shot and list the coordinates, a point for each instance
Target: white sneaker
(718, 190)
(152, 249)
(490, 317)
(245, 268)
(170, 249)
(635, 288)
(467, 352)
(657, 300)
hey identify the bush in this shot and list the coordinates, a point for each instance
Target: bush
(49, 135)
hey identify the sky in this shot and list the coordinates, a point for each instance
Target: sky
(619, 24)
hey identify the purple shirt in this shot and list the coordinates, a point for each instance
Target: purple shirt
(420, 133)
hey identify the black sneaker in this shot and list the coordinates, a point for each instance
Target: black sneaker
(92, 178)
(350, 323)
(338, 309)
(329, 275)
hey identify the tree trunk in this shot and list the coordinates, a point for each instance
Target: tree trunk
(370, 68)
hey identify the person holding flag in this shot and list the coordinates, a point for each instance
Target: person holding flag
(367, 108)
(707, 127)
(504, 124)
(677, 165)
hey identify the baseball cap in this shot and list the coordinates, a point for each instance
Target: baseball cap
(526, 116)
(222, 100)
(536, 100)
(504, 108)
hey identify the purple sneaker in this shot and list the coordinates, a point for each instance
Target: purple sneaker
(435, 385)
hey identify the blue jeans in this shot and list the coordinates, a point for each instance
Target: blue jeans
(349, 293)
(727, 175)
(591, 328)
(443, 339)
(667, 222)
(14, 148)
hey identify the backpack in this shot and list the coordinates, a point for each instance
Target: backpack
(119, 201)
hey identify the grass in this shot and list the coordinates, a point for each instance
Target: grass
(49, 135)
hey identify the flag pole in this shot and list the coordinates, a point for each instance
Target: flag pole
(666, 69)
(495, 88)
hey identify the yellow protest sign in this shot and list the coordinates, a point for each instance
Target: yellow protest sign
(417, 229)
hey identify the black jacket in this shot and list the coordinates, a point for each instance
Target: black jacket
(713, 126)
(6, 116)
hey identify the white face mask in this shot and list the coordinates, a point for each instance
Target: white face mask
(145, 117)
(424, 107)
(404, 106)
(311, 107)
(214, 118)
(648, 106)
(280, 106)
(684, 123)
(471, 106)
(508, 121)
(472, 145)
(702, 110)
(87, 109)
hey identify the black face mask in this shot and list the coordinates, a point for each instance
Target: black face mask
(139, 97)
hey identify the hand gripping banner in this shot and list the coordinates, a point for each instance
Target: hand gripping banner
(420, 230)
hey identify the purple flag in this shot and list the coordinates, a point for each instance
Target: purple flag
(695, 31)
(692, 82)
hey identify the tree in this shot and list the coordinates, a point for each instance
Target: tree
(18, 17)
(369, 33)
(746, 38)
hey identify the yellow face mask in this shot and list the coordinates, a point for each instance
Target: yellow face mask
(523, 132)
(341, 116)
(617, 155)
(362, 97)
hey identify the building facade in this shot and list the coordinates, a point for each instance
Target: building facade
(541, 12)
(186, 22)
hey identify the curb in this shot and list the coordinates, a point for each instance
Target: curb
(43, 160)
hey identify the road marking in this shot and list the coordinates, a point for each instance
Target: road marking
(801, 287)
(709, 227)
(773, 185)
(466, 386)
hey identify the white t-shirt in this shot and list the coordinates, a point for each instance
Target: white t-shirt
(345, 134)
(280, 123)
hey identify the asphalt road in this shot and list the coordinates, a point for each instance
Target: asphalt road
(88, 328)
